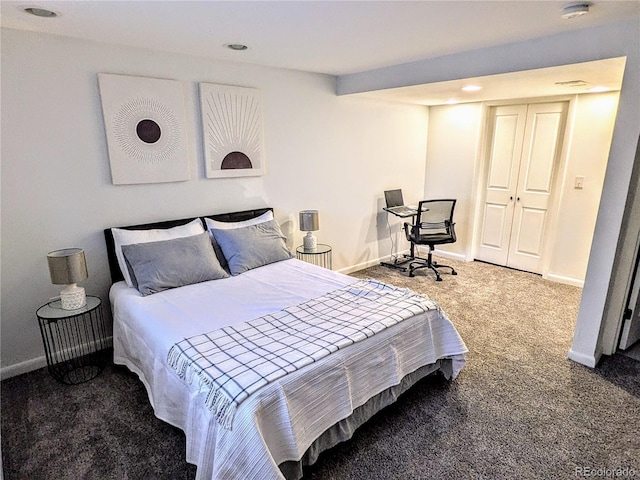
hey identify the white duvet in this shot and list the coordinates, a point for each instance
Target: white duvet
(279, 422)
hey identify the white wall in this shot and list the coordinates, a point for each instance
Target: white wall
(590, 133)
(332, 153)
(452, 157)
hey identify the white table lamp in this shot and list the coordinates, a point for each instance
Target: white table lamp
(309, 222)
(68, 267)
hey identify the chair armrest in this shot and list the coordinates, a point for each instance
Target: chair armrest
(406, 230)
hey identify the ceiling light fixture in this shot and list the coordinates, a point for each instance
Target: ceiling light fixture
(471, 88)
(575, 10)
(41, 12)
(238, 47)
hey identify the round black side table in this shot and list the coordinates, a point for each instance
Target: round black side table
(75, 341)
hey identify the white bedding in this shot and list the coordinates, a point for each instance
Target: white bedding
(280, 421)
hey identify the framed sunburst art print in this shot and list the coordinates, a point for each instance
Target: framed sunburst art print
(144, 122)
(232, 130)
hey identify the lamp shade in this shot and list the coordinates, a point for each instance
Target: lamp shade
(67, 266)
(309, 220)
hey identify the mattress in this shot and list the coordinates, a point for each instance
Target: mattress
(280, 422)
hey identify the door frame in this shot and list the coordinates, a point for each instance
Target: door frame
(480, 177)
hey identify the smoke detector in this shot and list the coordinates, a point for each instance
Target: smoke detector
(41, 12)
(573, 10)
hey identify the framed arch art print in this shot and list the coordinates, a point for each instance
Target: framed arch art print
(144, 121)
(232, 130)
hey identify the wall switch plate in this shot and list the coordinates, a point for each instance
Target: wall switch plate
(579, 183)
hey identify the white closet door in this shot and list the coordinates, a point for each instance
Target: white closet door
(542, 143)
(507, 135)
(525, 147)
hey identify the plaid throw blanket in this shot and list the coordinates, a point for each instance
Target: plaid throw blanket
(235, 361)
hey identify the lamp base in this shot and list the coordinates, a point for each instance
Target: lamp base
(310, 242)
(73, 297)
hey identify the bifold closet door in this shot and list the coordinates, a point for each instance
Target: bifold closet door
(507, 127)
(525, 143)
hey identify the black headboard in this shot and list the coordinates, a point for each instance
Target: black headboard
(114, 268)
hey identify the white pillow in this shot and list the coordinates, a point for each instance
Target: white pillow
(122, 236)
(216, 225)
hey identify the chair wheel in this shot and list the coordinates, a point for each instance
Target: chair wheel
(453, 272)
(438, 279)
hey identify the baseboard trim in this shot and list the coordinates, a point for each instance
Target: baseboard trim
(587, 360)
(41, 362)
(368, 263)
(23, 367)
(575, 282)
(451, 256)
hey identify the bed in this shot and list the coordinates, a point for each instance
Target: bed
(287, 419)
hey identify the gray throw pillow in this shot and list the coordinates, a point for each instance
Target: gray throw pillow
(158, 266)
(253, 246)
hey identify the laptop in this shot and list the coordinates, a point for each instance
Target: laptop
(395, 204)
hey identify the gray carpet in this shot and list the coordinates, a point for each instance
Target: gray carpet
(519, 409)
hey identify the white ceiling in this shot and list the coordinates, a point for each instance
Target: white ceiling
(332, 37)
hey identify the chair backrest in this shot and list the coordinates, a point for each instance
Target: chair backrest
(435, 211)
(435, 217)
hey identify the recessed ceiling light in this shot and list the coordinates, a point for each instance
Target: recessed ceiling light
(471, 88)
(238, 47)
(41, 12)
(575, 10)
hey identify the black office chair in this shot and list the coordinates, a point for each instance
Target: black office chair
(433, 226)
